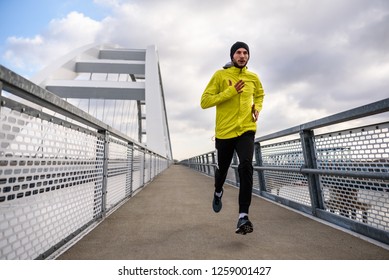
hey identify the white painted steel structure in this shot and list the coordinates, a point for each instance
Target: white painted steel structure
(121, 87)
(61, 169)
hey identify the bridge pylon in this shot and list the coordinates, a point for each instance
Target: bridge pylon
(121, 87)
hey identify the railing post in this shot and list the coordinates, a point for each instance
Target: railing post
(235, 162)
(259, 162)
(207, 166)
(309, 154)
(144, 167)
(205, 162)
(154, 161)
(130, 168)
(214, 162)
(150, 165)
(105, 174)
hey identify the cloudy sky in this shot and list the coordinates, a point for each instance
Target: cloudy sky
(314, 58)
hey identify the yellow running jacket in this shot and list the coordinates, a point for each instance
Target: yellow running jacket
(233, 109)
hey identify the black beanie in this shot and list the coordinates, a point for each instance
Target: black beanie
(237, 46)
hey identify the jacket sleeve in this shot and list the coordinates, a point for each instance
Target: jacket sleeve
(214, 93)
(258, 96)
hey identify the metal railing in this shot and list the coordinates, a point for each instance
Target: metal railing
(340, 176)
(61, 170)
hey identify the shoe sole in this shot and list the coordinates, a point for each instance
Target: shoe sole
(244, 229)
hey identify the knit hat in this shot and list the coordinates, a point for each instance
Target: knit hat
(237, 46)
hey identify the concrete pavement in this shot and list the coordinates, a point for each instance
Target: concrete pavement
(172, 219)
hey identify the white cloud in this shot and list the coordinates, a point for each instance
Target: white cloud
(16, 54)
(314, 58)
(61, 36)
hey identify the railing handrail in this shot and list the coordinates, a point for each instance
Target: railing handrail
(24, 88)
(374, 108)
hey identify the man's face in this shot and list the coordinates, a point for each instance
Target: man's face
(240, 57)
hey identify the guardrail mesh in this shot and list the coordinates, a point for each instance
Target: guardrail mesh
(61, 171)
(339, 176)
(289, 185)
(51, 183)
(364, 149)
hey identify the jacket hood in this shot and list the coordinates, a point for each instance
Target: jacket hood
(230, 64)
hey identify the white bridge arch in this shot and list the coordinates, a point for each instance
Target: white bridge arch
(119, 86)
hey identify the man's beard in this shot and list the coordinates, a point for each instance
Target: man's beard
(237, 65)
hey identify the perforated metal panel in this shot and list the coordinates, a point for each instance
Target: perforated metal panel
(231, 176)
(119, 171)
(138, 169)
(289, 185)
(363, 149)
(147, 168)
(256, 183)
(50, 186)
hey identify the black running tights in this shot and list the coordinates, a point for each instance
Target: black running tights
(244, 147)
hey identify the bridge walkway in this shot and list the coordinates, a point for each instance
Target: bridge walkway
(172, 219)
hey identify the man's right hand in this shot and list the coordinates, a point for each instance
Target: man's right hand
(238, 86)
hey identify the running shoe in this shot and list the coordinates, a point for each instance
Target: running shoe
(217, 202)
(244, 226)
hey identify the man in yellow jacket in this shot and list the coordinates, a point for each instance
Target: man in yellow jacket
(238, 95)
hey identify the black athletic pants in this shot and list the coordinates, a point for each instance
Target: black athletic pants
(244, 147)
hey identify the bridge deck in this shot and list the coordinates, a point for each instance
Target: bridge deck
(172, 218)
